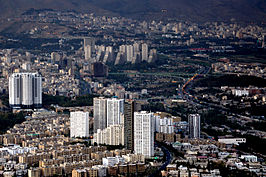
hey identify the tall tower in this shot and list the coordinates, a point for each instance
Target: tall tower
(135, 48)
(144, 52)
(115, 111)
(79, 124)
(129, 53)
(144, 133)
(37, 90)
(88, 52)
(15, 93)
(25, 90)
(129, 109)
(89, 41)
(194, 125)
(89, 47)
(99, 113)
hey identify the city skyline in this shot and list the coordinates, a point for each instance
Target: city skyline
(132, 88)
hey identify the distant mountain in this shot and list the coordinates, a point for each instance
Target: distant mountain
(193, 10)
(13, 8)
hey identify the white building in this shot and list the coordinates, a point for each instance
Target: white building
(164, 124)
(144, 133)
(231, 141)
(129, 53)
(115, 111)
(238, 92)
(99, 113)
(79, 124)
(135, 48)
(16, 149)
(194, 125)
(112, 161)
(26, 66)
(88, 52)
(112, 135)
(89, 42)
(144, 52)
(89, 48)
(134, 158)
(249, 158)
(25, 90)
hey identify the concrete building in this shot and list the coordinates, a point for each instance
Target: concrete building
(164, 124)
(231, 141)
(115, 111)
(144, 52)
(112, 135)
(194, 125)
(25, 90)
(129, 53)
(88, 52)
(112, 161)
(144, 133)
(129, 109)
(99, 113)
(79, 124)
(89, 48)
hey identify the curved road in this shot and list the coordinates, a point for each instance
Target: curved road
(169, 158)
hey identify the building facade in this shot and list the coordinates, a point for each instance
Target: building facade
(144, 133)
(194, 125)
(25, 90)
(99, 113)
(115, 111)
(112, 135)
(129, 109)
(79, 124)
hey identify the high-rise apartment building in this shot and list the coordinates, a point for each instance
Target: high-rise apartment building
(194, 125)
(99, 113)
(129, 53)
(144, 52)
(79, 124)
(112, 135)
(89, 48)
(144, 133)
(88, 52)
(115, 111)
(135, 48)
(129, 109)
(107, 112)
(25, 90)
(89, 41)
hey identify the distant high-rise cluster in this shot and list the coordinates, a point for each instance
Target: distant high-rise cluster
(117, 121)
(135, 54)
(194, 126)
(25, 90)
(126, 53)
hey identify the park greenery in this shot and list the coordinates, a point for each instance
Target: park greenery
(85, 100)
(8, 120)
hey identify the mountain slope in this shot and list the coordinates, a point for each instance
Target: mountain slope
(17, 7)
(194, 10)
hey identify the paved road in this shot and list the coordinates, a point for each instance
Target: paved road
(169, 158)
